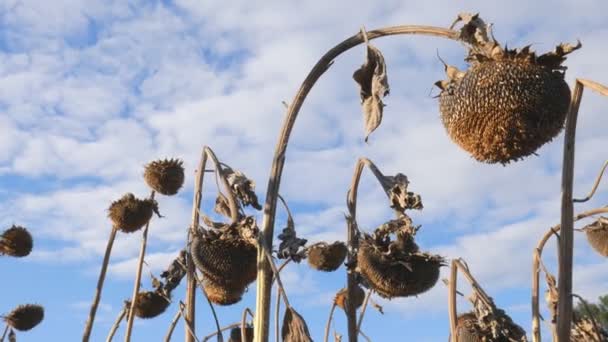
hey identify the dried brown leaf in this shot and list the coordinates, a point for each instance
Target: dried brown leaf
(373, 83)
(294, 327)
(401, 199)
(242, 187)
(222, 206)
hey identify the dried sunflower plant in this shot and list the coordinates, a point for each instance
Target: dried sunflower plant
(17, 242)
(503, 108)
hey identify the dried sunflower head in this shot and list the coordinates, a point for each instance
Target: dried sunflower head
(597, 235)
(466, 330)
(16, 241)
(165, 176)
(25, 317)
(325, 257)
(341, 297)
(509, 102)
(235, 335)
(398, 275)
(129, 213)
(223, 293)
(150, 304)
(225, 258)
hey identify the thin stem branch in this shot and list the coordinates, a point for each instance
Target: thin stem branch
(176, 318)
(228, 327)
(363, 308)
(189, 325)
(597, 183)
(264, 272)
(329, 319)
(102, 276)
(452, 285)
(116, 324)
(564, 312)
(278, 304)
(277, 276)
(140, 263)
(536, 263)
(4, 333)
(190, 270)
(364, 336)
(244, 324)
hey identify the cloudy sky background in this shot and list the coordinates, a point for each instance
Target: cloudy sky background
(90, 91)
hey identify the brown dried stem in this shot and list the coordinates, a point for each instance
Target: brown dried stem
(353, 240)
(589, 313)
(140, 263)
(536, 263)
(244, 324)
(564, 314)
(277, 276)
(264, 271)
(4, 333)
(196, 206)
(189, 325)
(363, 308)
(228, 327)
(452, 285)
(278, 304)
(176, 318)
(116, 324)
(597, 183)
(102, 276)
(329, 319)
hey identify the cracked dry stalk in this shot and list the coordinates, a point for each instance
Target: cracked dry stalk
(264, 277)
(140, 263)
(537, 257)
(564, 315)
(102, 276)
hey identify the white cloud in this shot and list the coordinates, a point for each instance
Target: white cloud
(152, 81)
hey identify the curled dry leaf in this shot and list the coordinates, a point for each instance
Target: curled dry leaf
(401, 199)
(243, 187)
(222, 205)
(373, 83)
(294, 327)
(291, 246)
(174, 274)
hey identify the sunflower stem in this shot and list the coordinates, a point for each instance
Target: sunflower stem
(102, 276)
(190, 271)
(140, 263)
(244, 323)
(228, 327)
(264, 276)
(452, 310)
(189, 325)
(176, 318)
(363, 308)
(4, 333)
(329, 320)
(597, 183)
(564, 305)
(116, 324)
(537, 258)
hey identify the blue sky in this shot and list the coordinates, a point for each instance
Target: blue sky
(92, 90)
